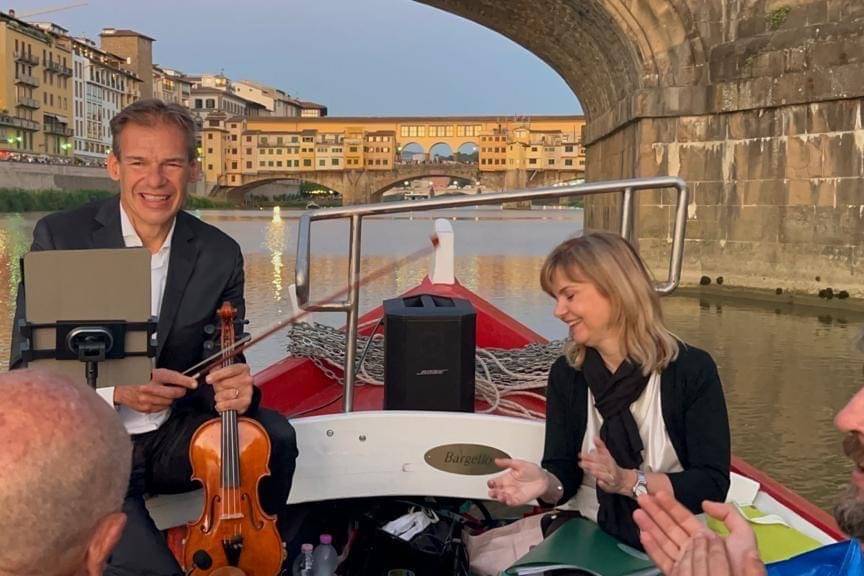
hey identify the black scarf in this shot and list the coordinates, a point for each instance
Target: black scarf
(613, 395)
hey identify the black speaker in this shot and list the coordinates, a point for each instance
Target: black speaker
(429, 345)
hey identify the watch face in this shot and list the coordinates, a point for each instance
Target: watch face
(640, 490)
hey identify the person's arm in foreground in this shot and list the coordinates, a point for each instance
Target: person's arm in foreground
(681, 545)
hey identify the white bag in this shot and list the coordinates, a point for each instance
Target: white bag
(409, 525)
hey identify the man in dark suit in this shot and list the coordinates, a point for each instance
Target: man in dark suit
(194, 268)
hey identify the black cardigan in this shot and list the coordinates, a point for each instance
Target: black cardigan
(694, 411)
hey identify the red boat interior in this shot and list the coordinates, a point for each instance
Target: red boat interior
(296, 387)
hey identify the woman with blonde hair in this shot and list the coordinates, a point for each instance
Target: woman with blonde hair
(630, 408)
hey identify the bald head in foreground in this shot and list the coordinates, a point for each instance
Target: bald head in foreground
(64, 468)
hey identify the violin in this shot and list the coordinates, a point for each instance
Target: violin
(229, 455)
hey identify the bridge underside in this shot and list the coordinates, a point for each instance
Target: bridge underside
(756, 104)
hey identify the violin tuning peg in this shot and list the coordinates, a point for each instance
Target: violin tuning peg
(209, 329)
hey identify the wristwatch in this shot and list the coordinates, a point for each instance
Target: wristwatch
(641, 486)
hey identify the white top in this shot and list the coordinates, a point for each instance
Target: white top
(658, 454)
(139, 422)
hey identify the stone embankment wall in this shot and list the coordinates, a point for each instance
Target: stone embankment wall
(27, 176)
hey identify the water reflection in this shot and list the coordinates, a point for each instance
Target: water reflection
(785, 373)
(275, 245)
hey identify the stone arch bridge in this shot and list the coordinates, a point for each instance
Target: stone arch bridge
(362, 186)
(757, 104)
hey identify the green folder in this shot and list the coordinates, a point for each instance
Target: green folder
(580, 544)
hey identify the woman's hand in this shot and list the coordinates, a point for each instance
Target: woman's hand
(521, 483)
(610, 477)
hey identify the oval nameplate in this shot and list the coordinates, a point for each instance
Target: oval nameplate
(468, 459)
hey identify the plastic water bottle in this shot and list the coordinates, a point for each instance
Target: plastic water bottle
(303, 564)
(324, 559)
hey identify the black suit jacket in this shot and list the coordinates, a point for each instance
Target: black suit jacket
(204, 270)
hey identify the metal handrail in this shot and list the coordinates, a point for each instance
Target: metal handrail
(356, 213)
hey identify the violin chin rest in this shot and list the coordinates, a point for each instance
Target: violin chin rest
(202, 560)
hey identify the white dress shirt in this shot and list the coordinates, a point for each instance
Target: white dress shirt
(139, 422)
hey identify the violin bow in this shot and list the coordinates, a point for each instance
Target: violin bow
(243, 344)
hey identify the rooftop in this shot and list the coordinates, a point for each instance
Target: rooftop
(124, 32)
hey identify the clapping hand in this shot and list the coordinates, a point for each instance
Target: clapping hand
(679, 544)
(521, 483)
(602, 466)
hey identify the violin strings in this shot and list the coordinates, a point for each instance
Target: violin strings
(235, 469)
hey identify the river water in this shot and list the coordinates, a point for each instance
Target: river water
(785, 372)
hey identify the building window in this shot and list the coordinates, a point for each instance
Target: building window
(322, 162)
(209, 167)
(307, 162)
(551, 162)
(248, 164)
(233, 165)
(532, 161)
(335, 162)
(568, 162)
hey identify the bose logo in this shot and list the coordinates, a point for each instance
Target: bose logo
(431, 372)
